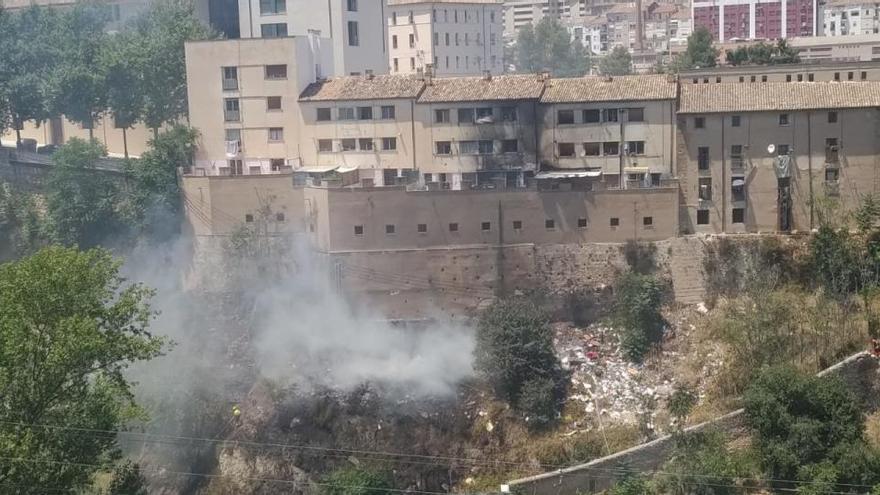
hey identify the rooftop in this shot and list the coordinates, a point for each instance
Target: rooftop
(510, 87)
(737, 97)
(619, 88)
(392, 3)
(364, 88)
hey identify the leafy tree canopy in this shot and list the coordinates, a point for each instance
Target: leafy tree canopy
(637, 313)
(700, 52)
(549, 46)
(616, 63)
(762, 53)
(69, 328)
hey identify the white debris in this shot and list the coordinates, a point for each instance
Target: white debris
(701, 307)
(489, 426)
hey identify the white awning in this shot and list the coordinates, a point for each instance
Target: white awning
(317, 169)
(738, 182)
(347, 168)
(573, 174)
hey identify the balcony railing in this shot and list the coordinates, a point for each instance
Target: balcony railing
(230, 84)
(232, 115)
(832, 155)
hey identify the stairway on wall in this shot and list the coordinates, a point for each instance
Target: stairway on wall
(686, 268)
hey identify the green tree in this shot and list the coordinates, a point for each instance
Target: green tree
(637, 313)
(23, 228)
(681, 402)
(700, 53)
(515, 353)
(616, 63)
(702, 464)
(159, 34)
(631, 485)
(357, 481)
(69, 328)
(549, 46)
(81, 203)
(119, 60)
(762, 53)
(128, 480)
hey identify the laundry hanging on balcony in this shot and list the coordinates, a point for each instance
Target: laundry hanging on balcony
(782, 165)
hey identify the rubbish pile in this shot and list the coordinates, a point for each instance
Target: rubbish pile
(611, 389)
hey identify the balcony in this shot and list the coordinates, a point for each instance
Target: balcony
(832, 154)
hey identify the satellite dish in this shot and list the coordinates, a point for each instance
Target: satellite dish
(771, 148)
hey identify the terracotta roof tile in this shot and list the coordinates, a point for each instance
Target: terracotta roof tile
(742, 97)
(511, 87)
(619, 88)
(362, 88)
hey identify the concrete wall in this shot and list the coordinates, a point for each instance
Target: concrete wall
(856, 132)
(363, 219)
(59, 131)
(858, 371)
(655, 131)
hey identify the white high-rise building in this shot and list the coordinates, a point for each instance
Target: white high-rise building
(850, 18)
(458, 37)
(356, 28)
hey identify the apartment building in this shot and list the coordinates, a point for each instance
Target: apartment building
(806, 72)
(755, 157)
(243, 100)
(364, 122)
(850, 18)
(620, 128)
(519, 13)
(454, 37)
(755, 19)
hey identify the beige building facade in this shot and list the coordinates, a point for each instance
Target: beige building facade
(450, 37)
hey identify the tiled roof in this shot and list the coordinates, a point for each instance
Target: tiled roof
(747, 97)
(392, 3)
(451, 89)
(618, 88)
(363, 88)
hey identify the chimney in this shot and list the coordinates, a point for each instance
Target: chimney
(428, 74)
(487, 75)
(544, 75)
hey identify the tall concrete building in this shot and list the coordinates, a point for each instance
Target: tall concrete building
(458, 37)
(850, 18)
(519, 13)
(355, 28)
(755, 19)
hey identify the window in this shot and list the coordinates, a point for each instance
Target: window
(837, 76)
(276, 164)
(508, 114)
(353, 38)
(436, 40)
(832, 117)
(703, 158)
(782, 149)
(276, 72)
(389, 229)
(486, 226)
(492, 39)
(230, 78)
(592, 116)
(352, 5)
(465, 116)
(323, 114)
(248, 217)
(394, 18)
(422, 228)
(849, 76)
(396, 65)
(447, 44)
(517, 225)
(345, 113)
(783, 119)
(388, 112)
(648, 221)
(763, 78)
(389, 144)
(468, 147)
(279, 217)
(864, 75)
(412, 41)
(325, 145)
(592, 149)
(738, 188)
(582, 223)
(453, 227)
(636, 114)
(484, 115)
(832, 174)
(609, 115)
(410, 17)
(566, 149)
(429, 177)
(699, 122)
(233, 135)
(635, 148)
(705, 188)
(412, 63)
(611, 148)
(276, 134)
(739, 215)
(443, 147)
(235, 169)
(565, 117)
(268, 7)
(349, 144)
(486, 147)
(736, 156)
(358, 230)
(441, 116)
(365, 144)
(741, 79)
(365, 113)
(277, 30)
(811, 77)
(788, 78)
(273, 103)
(800, 78)
(394, 41)
(231, 111)
(456, 39)
(735, 121)
(550, 224)
(702, 217)
(614, 222)
(509, 146)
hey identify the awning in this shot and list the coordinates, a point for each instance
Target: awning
(347, 168)
(316, 169)
(573, 174)
(738, 182)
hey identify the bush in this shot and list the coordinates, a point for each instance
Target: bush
(637, 313)
(700, 457)
(357, 481)
(640, 256)
(515, 354)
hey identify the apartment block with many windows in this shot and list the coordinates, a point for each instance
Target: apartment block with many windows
(455, 37)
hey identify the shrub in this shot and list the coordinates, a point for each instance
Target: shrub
(637, 313)
(701, 456)
(540, 400)
(640, 256)
(357, 481)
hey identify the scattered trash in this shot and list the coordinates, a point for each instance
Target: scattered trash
(489, 426)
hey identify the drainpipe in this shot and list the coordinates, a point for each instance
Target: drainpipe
(810, 163)
(412, 120)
